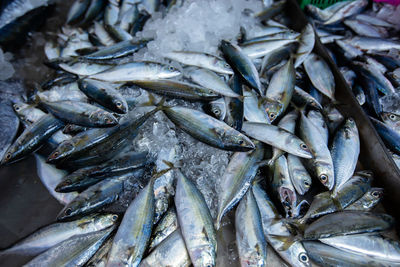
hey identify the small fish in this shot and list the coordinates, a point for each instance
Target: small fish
(347, 10)
(77, 11)
(345, 150)
(136, 71)
(75, 251)
(250, 239)
(210, 80)
(170, 252)
(53, 234)
(368, 201)
(202, 60)
(238, 60)
(118, 50)
(111, 12)
(277, 137)
(216, 108)
(320, 75)
(99, 259)
(134, 232)
(234, 106)
(299, 176)
(260, 49)
(318, 120)
(307, 41)
(208, 130)
(32, 137)
(237, 178)
(302, 98)
(389, 137)
(347, 223)
(81, 113)
(392, 120)
(253, 110)
(177, 89)
(165, 227)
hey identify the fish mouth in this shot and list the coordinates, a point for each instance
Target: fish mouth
(288, 197)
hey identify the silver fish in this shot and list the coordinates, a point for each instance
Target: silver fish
(307, 41)
(299, 176)
(253, 110)
(196, 222)
(368, 201)
(167, 225)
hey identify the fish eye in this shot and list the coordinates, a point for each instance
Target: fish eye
(392, 117)
(303, 257)
(306, 183)
(119, 104)
(375, 194)
(272, 115)
(171, 68)
(56, 153)
(114, 217)
(226, 65)
(303, 146)
(241, 142)
(16, 107)
(351, 120)
(217, 112)
(68, 211)
(323, 177)
(8, 156)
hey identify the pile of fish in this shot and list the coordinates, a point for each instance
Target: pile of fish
(367, 50)
(291, 182)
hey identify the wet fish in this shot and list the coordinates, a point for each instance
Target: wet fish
(166, 226)
(207, 129)
(389, 137)
(177, 89)
(320, 75)
(134, 232)
(253, 110)
(202, 60)
(99, 259)
(392, 120)
(345, 150)
(347, 223)
(216, 108)
(85, 177)
(9, 127)
(260, 49)
(69, 92)
(351, 8)
(104, 94)
(196, 223)
(77, 11)
(81, 113)
(299, 176)
(234, 106)
(95, 197)
(53, 234)
(250, 239)
(238, 60)
(302, 98)
(32, 138)
(237, 178)
(75, 251)
(280, 91)
(321, 162)
(277, 137)
(111, 12)
(282, 185)
(368, 201)
(307, 41)
(170, 252)
(136, 71)
(370, 43)
(274, 228)
(210, 80)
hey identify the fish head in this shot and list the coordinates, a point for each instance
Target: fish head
(20, 107)
(325, 175)
(350, 128)
(304, 259)
(168, 71)
(240, 141)
(120, 105)
(62, 151)
(63, 185)
(216, 108)
(7, 158)
(102, 221)
(69, 211)
(272, 108)
(390, 118)
(103, 118)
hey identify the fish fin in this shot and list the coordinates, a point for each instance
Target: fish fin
(263, 163)
(287, 241)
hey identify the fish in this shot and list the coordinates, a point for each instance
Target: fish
(195, 222)
(347, 10)
(237, 178)
(95, 197)
(253, 111)
(365, 29)
(271, 11)
(177, 89)
(216, 108)
(299, 176)
(134, 232)
(53, 234)
(280, 91)
(325, 255)
(321, 162)
(211, 80)
(9, 127)
(307, 41)
(104, 94)
(136, 71)
(275, 57)
(274, 228)
(347, 223)
(202, 60)
(376, 246)
(392, 120)
(389, 137)
(81, 113)
(320, 75)
(111, 12)
(75, 251)
(114, 51)
(368, 201)
(207, 129)
(77, 11)
(93, 10)
(282, 185)
(170, 252)
(31, 138)
(234, 106)
(371, 43)
(345, 150)
(165, 227)
(261, 49)
(277, 137)
(242, 64)
(99, 259)
(85, 177)
(250, 239)
(66, 92)
(302, 98)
